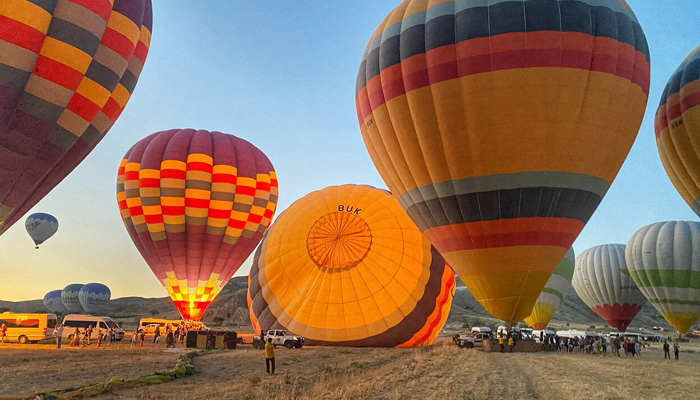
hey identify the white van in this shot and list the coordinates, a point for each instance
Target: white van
(28, 327)
(545, 333)
(577, 333)
(82, 322)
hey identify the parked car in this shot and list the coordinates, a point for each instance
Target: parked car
(72, 321)
(279, 338)
(475, 338)
(149, 324)
(28, 327)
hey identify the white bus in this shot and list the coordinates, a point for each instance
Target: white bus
(82, 322)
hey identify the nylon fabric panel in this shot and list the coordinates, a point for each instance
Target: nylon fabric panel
(196, 203)
(388, 288)
(602, 280)
(663, 259)
(516, 102)
(59, 93)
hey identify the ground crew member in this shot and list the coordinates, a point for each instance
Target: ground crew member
(511, 343)
(270, 356)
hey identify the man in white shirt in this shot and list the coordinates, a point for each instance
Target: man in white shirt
(59, 335)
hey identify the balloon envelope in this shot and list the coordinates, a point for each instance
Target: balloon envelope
(602, 280)
(93, 297)
(196, 204)
(345, 266)
(41, 227)
(677, 127)
(500, 126)
(67, 70)
(53, 302)
(664, 261)
(553, 293)
(70, 299)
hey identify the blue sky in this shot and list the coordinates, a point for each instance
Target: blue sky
(281, 74)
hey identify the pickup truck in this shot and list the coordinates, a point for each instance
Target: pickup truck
(279, 338)
(470, 340)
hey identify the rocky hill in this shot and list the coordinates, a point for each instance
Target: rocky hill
(230, 309)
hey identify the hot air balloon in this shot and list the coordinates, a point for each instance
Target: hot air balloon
(345, 266)
(196, 204)
(53, 302)
(67, 70)
(70, 298)
(553, 293)
(677, 126)
(664, 261)
(93, 297)
(41, 227)
(603, 282)
(501, 127)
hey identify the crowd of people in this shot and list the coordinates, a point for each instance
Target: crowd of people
(85, 337)
(601, 345)
(172, 335)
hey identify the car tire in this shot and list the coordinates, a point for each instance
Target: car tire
(22, 339)
(288, 344)
(470, 345)
(298, 346)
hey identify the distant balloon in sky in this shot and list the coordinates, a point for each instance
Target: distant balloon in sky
(603, 282)
(41, 227)
(67, 70)
(500, 127)
(53, 302)
(196, 204)
(553, 293)
(70, 298)
(93, 297)
(664, 261)
(345, 266)
(677, 126)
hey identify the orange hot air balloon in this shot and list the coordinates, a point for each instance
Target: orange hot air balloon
(196, 204)
(345, 266)
(501, 127)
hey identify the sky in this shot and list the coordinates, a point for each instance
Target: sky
(281, 74)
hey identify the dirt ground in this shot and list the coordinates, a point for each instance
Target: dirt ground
(439, 372)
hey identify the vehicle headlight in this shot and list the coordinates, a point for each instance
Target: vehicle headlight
(295, 338)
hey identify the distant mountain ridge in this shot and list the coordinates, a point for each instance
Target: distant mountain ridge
(230, 309)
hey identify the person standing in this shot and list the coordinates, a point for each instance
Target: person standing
(638, 348)
(3, 333)
(75, 341)
(270, 357)
(156, 335)
(99, 337)
(59, 335)
(88, 334)
(500, 342)
(667, 350)
(142, 337)
(676, 350)
(511, 343)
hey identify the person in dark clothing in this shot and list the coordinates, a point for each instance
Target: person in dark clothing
(676, 350)
(156, 335)
(667, 350)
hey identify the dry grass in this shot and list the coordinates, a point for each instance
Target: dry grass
(439, 372)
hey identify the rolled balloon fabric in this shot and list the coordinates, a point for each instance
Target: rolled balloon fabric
(41, 227)
(196, 204)
(345, 266)
(500, 126)
(53, 303)
(67, 70)
(664, 261)
(553, 293)
(70, 299)
(602, 280)
(93, 297)
(677, 127)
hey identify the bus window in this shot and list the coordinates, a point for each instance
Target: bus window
(20, 323)
(50, 323)
(102, 325)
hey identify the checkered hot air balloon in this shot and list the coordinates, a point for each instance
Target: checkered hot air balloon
(500, 126)
(196, 204)
(67, 70)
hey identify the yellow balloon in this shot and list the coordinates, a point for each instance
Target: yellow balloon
(346, 266)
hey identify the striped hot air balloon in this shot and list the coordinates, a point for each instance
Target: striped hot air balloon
(553, 293)
(500, 126)
(67, 70)
(677, 127)
(664, 261)
(345, 266)
(602, 280)
(196, 204)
